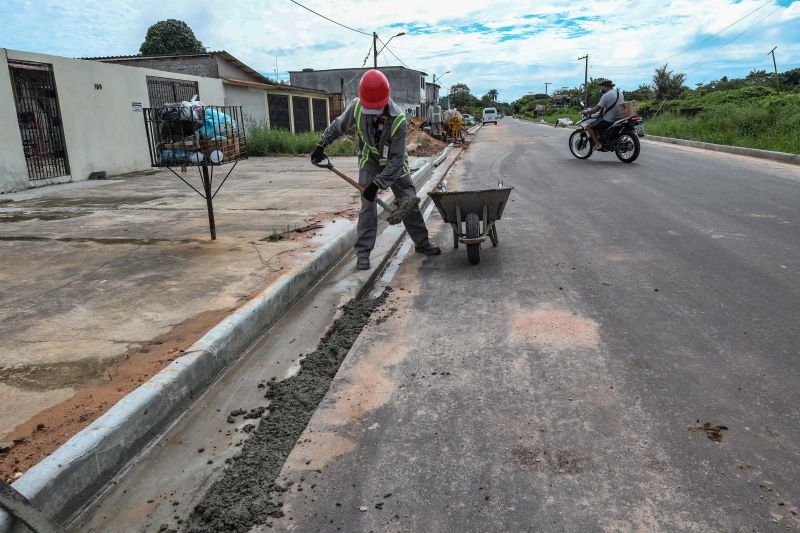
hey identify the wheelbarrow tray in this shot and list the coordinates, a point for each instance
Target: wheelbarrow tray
(471, 202)
(478, 210)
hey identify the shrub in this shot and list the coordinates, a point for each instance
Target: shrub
(263, 141)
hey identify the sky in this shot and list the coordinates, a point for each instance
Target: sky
(514, 46)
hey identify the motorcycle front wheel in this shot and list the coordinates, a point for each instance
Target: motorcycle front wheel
(627, 148)
(580, 144)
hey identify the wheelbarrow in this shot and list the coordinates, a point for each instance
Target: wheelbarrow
(477, 211)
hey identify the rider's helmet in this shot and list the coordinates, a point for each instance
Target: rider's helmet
(607, 83)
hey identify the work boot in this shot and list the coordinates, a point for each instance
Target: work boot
(362, 263)
(427, 248)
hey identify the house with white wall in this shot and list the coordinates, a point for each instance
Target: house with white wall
(67, 119)
(264, 102)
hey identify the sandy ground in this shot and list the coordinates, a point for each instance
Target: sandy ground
(103, 283)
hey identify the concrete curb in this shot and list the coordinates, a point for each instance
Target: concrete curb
(736, 150)
(474, 129)
(62, 481)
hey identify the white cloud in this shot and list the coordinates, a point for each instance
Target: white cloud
(512, 46)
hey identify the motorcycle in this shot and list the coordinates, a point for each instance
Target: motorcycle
(621, 138)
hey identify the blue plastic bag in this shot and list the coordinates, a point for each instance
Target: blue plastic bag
(216, 125)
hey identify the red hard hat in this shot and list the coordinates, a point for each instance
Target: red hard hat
(374, 90)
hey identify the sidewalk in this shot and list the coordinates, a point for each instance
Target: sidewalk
(104, 283)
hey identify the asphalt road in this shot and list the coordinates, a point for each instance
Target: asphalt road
(553, 386)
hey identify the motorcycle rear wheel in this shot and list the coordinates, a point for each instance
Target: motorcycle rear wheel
(580, 144)
(627, 147)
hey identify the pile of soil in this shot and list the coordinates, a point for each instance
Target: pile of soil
(420, 144)
(244, 496)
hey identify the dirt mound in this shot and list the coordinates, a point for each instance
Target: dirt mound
(420, 144)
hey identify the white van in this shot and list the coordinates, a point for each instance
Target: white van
(490, 115)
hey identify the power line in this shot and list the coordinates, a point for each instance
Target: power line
(390, 51)
(735, 37)
(366, 57)
(734, 23)
(329, 19)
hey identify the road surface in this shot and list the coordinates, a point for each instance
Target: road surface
(553, 386)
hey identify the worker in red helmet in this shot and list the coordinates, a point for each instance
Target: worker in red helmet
(381, 125)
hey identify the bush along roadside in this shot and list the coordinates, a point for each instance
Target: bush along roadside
(766, 125)
(262, 141)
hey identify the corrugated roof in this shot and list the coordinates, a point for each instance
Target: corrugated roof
(354, 68)
(222, 53)
(272, 85)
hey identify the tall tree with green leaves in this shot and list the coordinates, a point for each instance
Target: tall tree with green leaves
(168, 37)
(668, 84)
(492, 94)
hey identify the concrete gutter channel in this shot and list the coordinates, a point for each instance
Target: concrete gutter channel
(61, 483)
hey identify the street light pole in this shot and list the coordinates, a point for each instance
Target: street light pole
(585, 80)
(375, 49)
(546, 85)
(775, 65)
(375, 44)
(435, 77)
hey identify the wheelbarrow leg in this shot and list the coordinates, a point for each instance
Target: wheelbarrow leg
(493, 235)
(457, 227)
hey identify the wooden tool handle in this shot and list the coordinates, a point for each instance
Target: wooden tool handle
(350, 180)
(347, 178)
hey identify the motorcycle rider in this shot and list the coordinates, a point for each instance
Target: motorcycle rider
(609, 103)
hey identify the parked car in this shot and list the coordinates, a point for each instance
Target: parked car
(469, 119)
(490, 115)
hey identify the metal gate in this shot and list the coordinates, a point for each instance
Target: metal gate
(278, 112)
(302, 117)
(39, 120)
(164, 90)
(320, 114)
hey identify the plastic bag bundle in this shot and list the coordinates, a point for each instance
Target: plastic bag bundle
(217, 126)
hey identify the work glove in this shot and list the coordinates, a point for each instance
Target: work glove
(371, 191)
(318, 155)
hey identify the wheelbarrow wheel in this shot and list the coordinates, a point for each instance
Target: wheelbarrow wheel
(473, 232)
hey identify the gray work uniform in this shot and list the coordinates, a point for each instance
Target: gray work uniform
(385, 161)
(435, 119)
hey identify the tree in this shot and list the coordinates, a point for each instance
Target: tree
(642, 93)
(667, 84)
(461, 98)
(492, 94)
(170, 36)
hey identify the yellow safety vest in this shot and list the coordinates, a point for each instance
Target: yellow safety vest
(367, 147)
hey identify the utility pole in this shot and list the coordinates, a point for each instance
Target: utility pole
(585, 80)
(375, 49)
(276, 68)
(775, 65)
(547, 84)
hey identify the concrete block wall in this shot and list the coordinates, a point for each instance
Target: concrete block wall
(407, 90)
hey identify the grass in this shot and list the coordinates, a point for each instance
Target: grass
(262, 141)
(773, 125)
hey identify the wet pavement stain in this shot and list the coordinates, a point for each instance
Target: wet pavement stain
(556, 461)
(15, 216)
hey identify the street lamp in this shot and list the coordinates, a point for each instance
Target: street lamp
(375, 44)
(440, 77)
